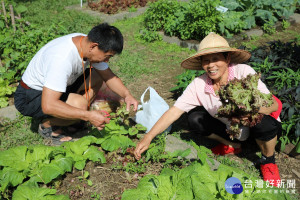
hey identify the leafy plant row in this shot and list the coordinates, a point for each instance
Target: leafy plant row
(23, 170)
(26, 168)
(114, 6)
(196, 18)
(197, 181)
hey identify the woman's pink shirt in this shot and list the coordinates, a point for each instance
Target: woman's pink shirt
(200, 91)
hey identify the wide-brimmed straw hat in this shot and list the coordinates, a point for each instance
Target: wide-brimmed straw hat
(214, 43)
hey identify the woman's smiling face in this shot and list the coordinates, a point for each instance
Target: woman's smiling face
(215, 65)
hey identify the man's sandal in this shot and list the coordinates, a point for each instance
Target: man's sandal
(47, 134)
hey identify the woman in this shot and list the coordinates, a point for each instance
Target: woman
(199, 99)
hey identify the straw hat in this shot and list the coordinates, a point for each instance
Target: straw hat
(214, 43)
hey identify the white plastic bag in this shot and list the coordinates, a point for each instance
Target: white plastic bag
(152, 110)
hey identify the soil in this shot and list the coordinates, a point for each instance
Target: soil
(109, 181)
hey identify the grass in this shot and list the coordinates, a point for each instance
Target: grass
(286, 35)
(139, 58)
(21, 131)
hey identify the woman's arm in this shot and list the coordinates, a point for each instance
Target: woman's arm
(269, 110)
(162, 124)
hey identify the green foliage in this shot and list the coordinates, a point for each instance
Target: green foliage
(269, 28)
(184, 79)
(18, 48)
(195, 19)
(192, 20)
(30, 192)
(5, 91)
(118, 131)
(197, 181)
(41, 164)
(149, 36)
(285, 24)
(288, 128)
(262, 11)
(241, 101)
(232, 23)
(278, 63)
(298, 147)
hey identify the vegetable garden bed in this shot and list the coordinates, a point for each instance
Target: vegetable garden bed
(120, 172)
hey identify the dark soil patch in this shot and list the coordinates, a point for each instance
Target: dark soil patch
(108, 180)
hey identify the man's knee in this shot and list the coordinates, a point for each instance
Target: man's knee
(77, 101)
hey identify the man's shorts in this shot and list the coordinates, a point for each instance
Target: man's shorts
(28, 101)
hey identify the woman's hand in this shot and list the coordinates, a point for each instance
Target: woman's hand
(264, 110)
(142, 146)
(269, 110)
(162, 124)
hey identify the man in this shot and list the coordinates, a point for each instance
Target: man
(53, 87)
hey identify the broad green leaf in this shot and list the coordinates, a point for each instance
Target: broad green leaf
(111, 144)
(27, 192)
(50, 172)
(42, 152)
(80, 164)
(10, 177)
(137, 194)
(165, 188)
(15, 158)
(297, 148)
(181, 153)
(125, 142)
(81, 145)
(184, 189)
(20, 9)
(64, 163)
(132, 131)
(93, 154)
(200, 189)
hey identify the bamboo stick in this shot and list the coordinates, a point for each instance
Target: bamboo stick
(12, 15)
(4, 13)
(21, 25)
(1, 63)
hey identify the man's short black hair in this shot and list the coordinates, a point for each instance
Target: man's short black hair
(109, 38)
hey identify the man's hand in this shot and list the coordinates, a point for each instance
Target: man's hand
(97, 119)
(130, 100)
(142, 146)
